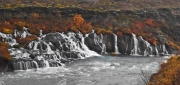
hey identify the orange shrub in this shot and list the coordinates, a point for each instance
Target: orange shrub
(127, 31)
(174, 45)
(35, 15)
(21, 24)
(4, 53)
(169, 74)
(78, 19)
(25, 41)
(86, 28)
(152, 41)
(7, 31)
(150, 22)
(139, 25)
(4, 44)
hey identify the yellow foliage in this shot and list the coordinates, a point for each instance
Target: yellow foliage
(4, 53)
(78, 19)
(21, 23)
(4, 44)
(35, 15)
(174, 45)
(7, 31)
(169, 74)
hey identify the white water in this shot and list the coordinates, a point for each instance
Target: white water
(102, 70)
(135, 44)
(99, 40)
(8, 38)
(115, 44)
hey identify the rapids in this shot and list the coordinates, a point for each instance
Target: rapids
(97, 70)
(81, 59)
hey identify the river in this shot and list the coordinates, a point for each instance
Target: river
(101, 70)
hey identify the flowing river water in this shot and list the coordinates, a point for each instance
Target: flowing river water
(101, 70)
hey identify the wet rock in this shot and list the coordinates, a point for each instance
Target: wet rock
(89, 41)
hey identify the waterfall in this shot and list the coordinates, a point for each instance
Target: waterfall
(46, 63)
(156, 50)
(99, 40)
(103, 45)
(8, 38)
(84, 47)
(36, 64)
(25, 33)
(165, 52)
(147, 47)
(134, 51)
(54, 49)
(49, 51)
(115, 44)
(21, 34)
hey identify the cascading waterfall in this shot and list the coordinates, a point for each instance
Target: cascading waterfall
(134, 51)
(99, 40)
(156, 50)
(147, 46)
(8, 38)
(165, 52)
(103, 45)
(46, 57)
(115, 44)
(54, 49)
(84, 47)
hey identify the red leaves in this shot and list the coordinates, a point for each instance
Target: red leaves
(4, 53)
(152, 41)
(86, 27)
(127, 31)
(78, 20)
(26, 40)
(139, 25)
(150, 22)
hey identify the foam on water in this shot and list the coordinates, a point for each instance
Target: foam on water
(102, 70)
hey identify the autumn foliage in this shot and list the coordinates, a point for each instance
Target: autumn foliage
(7, 31)
(169, 73)
(79, 24)
(174, 45)
(78, 20)
(139, 25)
(25, 41)
(4, 53)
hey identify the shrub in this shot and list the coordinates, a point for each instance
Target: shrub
(4, 53)
(78, 20)
(7, 31)
(25, 41)
(150, 22)
(139, 25)
(169, 74)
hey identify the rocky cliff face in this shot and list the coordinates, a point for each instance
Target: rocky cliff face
(170, 17)
(55, 49)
